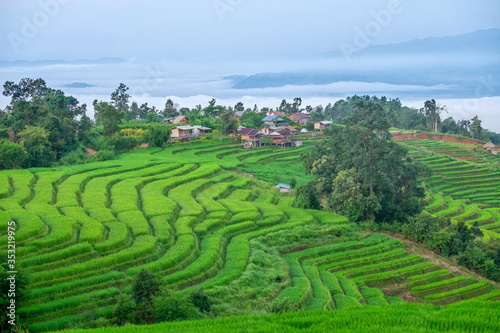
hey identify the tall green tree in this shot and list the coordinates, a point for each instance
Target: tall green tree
(364, 175)
(145, 288)
(229, 123)
(12, 155)
(432, 111)
(239, 107)
(119, 99)
(36, 143)
(108, 116)
(25, 90)
(476, 128)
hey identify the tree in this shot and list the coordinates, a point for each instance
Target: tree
(476, 128)
(119, 99)
(363, 174)
(306, 197)
(157, 135)
(134, 110)
(145, 288)
(432, 111)
(172, 307)
(421, 227)
(229, 123)
(25, 90)
(252, 119)
(35, 141)
(297, 102)
(200, 300)
(212, 102)
(84, 127)
(170, 109)
(12, 155)
(239, 107)
(109, 116)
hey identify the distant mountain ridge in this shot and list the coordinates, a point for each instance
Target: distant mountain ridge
(458, 61)
(78, 85)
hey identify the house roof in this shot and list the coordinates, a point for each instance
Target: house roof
(178, 119)
(489, 145)
(184, 127)
(275, 113)
(290, 128)
(282, 132)
(299, 115)
(202, 127)
(272, 118)
(283, 186)
(249, 132)
(325, 122)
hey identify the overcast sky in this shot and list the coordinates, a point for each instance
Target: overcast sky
(228, 29)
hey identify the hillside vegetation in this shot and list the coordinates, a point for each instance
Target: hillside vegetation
(186, 214)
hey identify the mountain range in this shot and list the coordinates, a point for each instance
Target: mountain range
(459, 63)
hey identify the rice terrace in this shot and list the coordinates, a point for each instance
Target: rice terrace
(188, 214)
(237, 166)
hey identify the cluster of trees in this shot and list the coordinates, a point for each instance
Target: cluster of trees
(363, 175)
(428, 118)
(457, 241)
(150, 303)
(40, 125)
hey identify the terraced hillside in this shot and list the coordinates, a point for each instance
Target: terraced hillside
(466, 190)
(185, 213)
(407, 318)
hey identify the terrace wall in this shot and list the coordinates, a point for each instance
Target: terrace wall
(437, 137)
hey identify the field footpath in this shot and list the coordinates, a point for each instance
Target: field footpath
(418, 249)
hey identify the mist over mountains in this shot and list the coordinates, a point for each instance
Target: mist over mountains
(459, 64)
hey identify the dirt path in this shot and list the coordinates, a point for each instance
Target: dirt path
(90, 151)
(419, 249)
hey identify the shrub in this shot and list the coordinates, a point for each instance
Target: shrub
(172, 307)
(201, 301)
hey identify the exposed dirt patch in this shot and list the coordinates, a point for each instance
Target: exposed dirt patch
(90, 151)
(395, 289)
(408, 297)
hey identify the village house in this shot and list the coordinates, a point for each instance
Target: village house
(199, 130)
(280, 138)
(290, 129)
(168, 120)
(269, 129)
(283, 188)
(322, 125)
(182, 133)
(250, 137)
(272, 120)
(186, 132)
(492, 148)
(299, 118)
